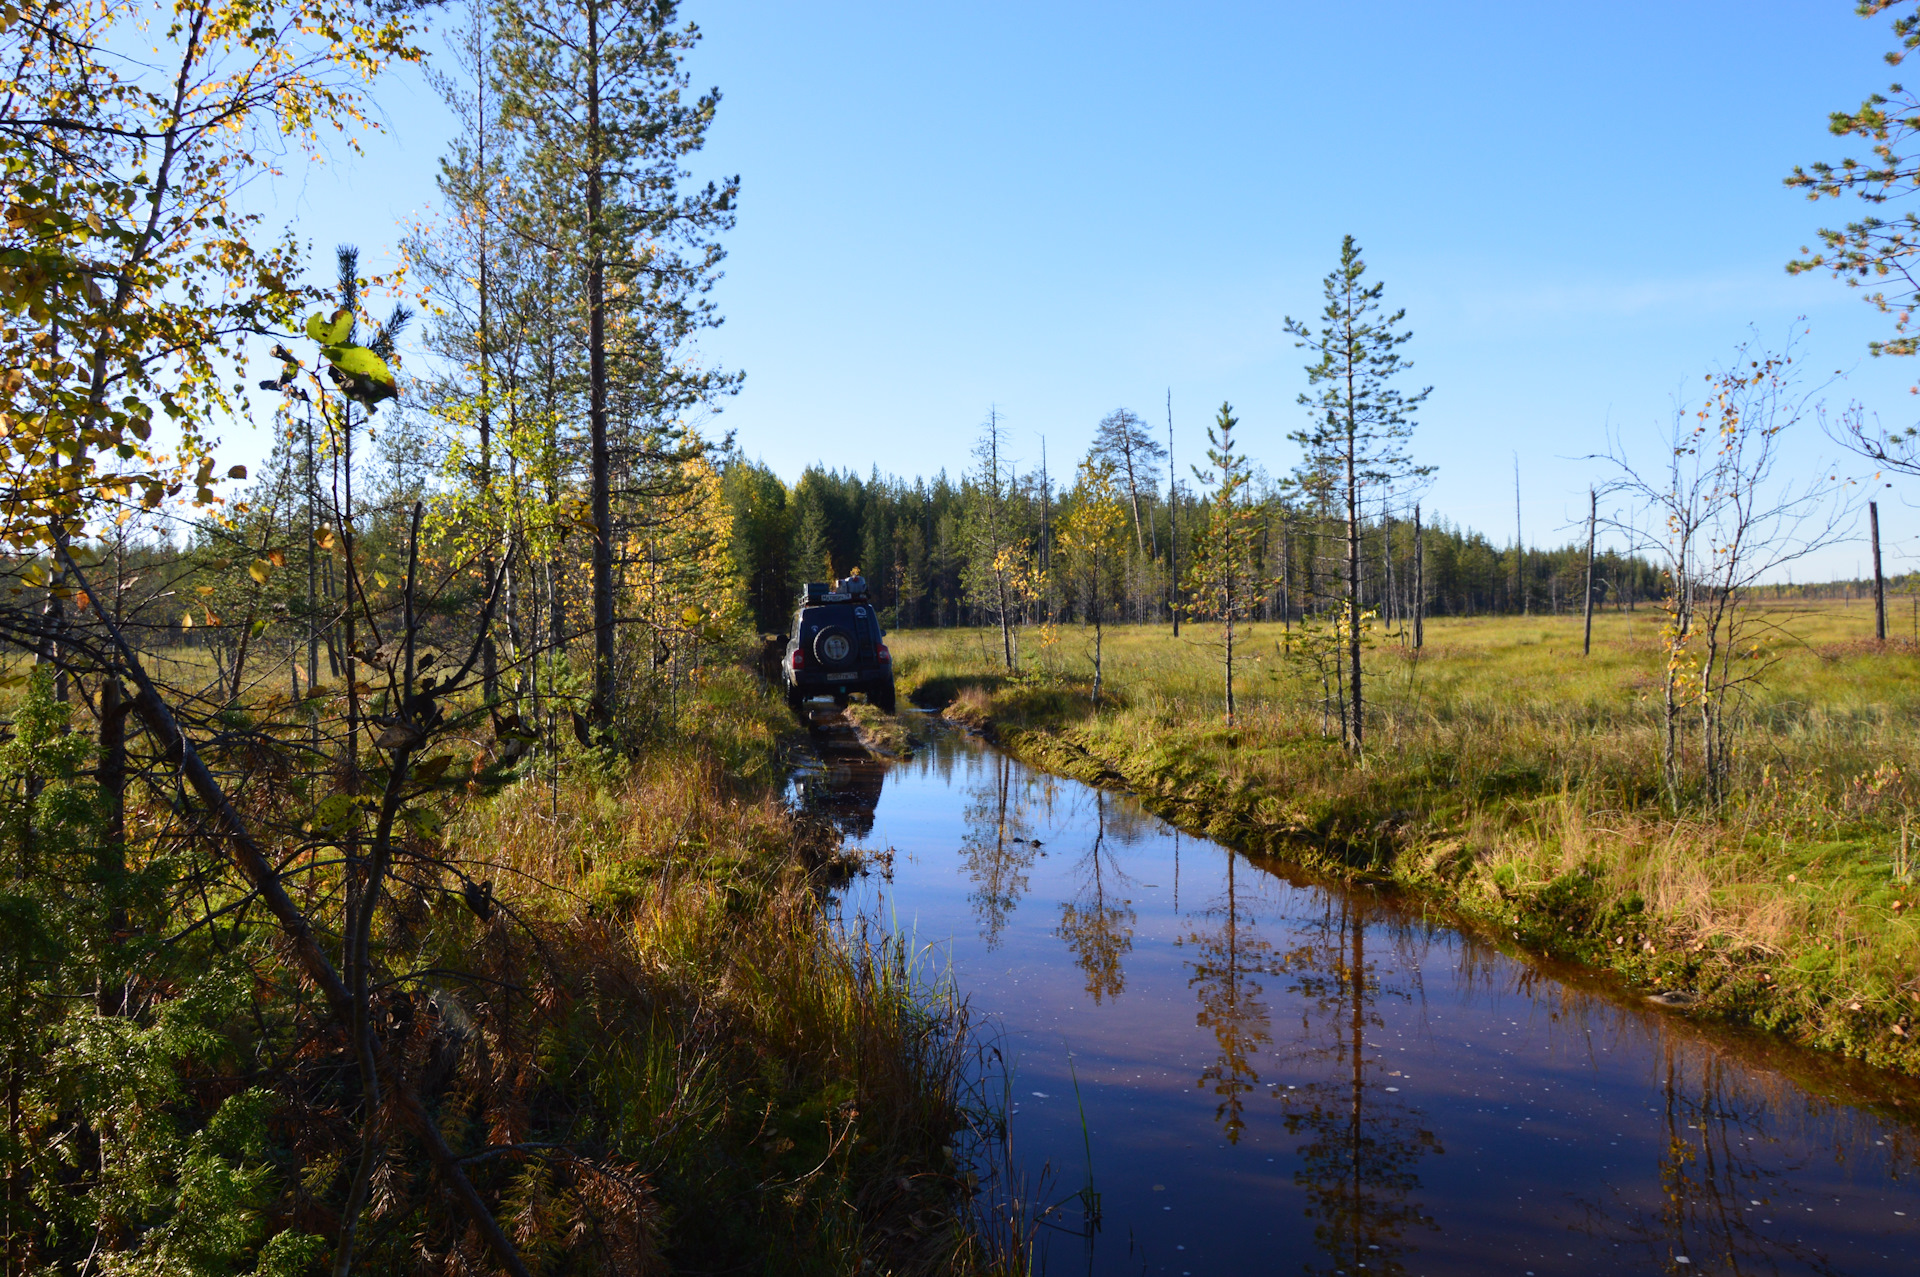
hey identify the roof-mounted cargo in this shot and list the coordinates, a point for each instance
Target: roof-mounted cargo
(845, 590)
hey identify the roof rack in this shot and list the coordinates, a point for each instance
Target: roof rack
(845, 590)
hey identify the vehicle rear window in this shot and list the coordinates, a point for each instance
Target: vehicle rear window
(857, 617)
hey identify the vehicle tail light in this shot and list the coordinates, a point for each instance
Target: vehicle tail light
(799, 658)
(882, 652)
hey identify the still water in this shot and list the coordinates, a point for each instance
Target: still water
(1282, 1075)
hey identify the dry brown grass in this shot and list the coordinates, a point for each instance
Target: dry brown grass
(789, 1091)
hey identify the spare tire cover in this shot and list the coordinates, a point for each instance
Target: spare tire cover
(833, 647)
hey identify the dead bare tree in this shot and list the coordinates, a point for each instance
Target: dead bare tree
(1720, 519)
(1121, 438)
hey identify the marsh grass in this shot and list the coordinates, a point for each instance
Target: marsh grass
(1521, 782)
(789, 1092)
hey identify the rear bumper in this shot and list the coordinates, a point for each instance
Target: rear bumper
(838, 680)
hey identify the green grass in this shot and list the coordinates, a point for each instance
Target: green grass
(1519, 782)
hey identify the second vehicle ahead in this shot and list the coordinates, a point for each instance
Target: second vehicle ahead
(837, 647)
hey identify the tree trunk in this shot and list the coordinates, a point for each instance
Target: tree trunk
(1133, 493)
(1096, 632)
(1389, 606)
(1286, 572)
(1519, 546)
(113, 845)
(1230, 705)
(1419, 582)
(1879, 581)
(1173, 525)
(1358, 737)
(602, 465)
(348, 624)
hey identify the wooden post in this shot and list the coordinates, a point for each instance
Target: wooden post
(1593, 517)
(1419, 580)
(1879, 581)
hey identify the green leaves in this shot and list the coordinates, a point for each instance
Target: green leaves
(330, 331)
(362, 375)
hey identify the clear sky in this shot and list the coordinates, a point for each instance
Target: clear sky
(1056, 209)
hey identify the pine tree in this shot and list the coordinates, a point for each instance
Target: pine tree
(996, 555)
(1223, 579)
(596, 92)
(1122, 440)
(1360, 423)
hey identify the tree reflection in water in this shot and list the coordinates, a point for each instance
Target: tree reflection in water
(1285, 980)
(998, 848)
(1363, 1142)
(1227, 957)
(1715, 1120)
(1099, 930)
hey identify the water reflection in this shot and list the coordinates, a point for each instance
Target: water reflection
(844, 789)
(1362, 1141)
(1097, 923)
(1719, 1199)
(997, 847)
(1282, 1074)
(1228, 957)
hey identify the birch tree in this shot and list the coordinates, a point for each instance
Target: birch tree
(1719, 517)
(1089, 543)
(130, 281)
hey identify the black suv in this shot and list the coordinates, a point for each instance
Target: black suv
(836, 648)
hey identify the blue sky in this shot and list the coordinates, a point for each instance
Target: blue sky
(1057, 209)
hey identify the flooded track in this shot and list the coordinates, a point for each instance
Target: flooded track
(1281, 1075)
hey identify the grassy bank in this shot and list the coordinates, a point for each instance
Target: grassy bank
(784, 1089)
(1519, 783)
(609, 983)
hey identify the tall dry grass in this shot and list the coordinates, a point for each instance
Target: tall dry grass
(663, 992)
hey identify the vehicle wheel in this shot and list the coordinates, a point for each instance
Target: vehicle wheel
(883, 697)
(794, 699)
(833, 647)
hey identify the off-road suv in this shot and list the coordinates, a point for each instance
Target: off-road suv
(836, 648)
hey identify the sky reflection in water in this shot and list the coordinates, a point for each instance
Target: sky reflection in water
(1281, 1077)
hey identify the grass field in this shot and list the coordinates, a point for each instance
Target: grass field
(1520, 782)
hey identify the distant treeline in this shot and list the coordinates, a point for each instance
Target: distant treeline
(913, 540)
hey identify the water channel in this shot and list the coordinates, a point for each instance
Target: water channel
(1284, 1075)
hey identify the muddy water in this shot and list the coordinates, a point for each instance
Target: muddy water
(1278, 1075)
